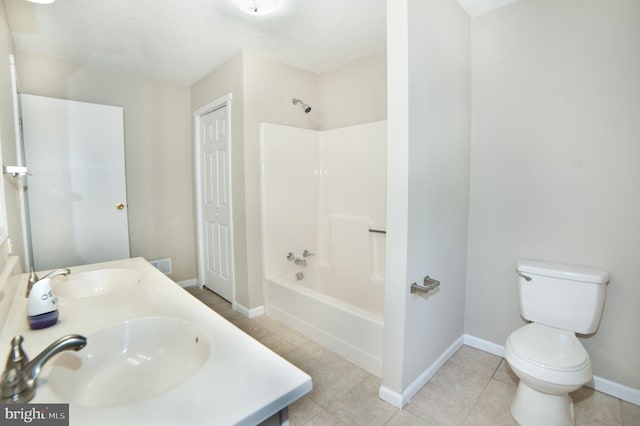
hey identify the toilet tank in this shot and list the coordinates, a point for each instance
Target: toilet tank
(568, 297)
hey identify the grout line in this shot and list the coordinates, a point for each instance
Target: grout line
(475, 404)
(497, 368)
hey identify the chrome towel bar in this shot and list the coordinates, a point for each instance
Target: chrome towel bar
(429, 284)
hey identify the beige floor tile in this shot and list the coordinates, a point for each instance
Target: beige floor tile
(493, 406)
(361, 406)
(301, 359)
(272, 325)
(481, 416)
(439, 407)
(404, 418)
(297, 338)
(460, 381)
(257, 332)
(630, 414)
(330, 383)
(324, 418)
(504, 374)
(595, 408)
(277, 343)
(303, 410)
(251, 327)
(323, 354)
(347, 368)
(477, 360)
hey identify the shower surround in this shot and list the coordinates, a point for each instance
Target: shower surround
(323, 191)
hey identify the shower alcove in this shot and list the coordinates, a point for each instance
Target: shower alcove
(325, 192)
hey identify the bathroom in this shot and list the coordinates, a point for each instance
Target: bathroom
(544, 166)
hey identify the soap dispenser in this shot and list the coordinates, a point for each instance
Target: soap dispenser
(42, 305)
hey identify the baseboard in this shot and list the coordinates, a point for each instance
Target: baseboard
(400, 400)
(614, 389)
(188, 283)
(484, 345)
(623, 392)
(392, 397)
(249, 313)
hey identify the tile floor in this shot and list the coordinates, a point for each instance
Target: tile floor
(472, 388)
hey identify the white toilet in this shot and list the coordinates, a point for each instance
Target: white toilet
(559, 300)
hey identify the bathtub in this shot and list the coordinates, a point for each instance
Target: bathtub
(331, 313)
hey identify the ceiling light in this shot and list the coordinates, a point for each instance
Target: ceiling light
(257, 7)
(41, 1)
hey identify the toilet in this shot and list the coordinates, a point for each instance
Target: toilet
(559, 300)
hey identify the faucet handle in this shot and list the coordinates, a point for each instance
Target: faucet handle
(15, 386)
(17, 358)
(307, 253)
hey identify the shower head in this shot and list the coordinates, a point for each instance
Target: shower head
(305, 107)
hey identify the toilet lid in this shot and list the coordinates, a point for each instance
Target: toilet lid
(549, 347)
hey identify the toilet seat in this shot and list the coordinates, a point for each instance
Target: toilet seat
(548, 354)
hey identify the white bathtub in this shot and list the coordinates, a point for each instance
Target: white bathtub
(330, 312)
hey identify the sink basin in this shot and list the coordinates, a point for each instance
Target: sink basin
(129, 362)
(95, 283)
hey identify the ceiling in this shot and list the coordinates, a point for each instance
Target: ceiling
(183, 40)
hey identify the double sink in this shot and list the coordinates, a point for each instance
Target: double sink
(149, 347)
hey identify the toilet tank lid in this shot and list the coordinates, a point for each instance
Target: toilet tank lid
(563, 271)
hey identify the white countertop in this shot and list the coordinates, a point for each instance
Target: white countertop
(242, 382)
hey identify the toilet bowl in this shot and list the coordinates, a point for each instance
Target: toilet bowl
(559, 301)
(550, 364)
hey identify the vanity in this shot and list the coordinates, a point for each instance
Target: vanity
(155, 355)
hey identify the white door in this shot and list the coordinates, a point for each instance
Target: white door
(76, 191)
(216, 261)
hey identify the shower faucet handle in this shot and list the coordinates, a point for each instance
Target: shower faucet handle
(291, 256)
(307, 253)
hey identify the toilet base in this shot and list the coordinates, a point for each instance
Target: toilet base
(533, 408)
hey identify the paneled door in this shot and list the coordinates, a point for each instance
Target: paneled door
(76, 191)
(214, 199)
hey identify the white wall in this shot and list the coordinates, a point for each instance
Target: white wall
(428, 169)
(157, 149)
(554, 171)
(355, 93)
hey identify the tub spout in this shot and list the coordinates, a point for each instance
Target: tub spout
(300, 262)
(19, 378)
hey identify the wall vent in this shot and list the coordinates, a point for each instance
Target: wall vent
(163, 265)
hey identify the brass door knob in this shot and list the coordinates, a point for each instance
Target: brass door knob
(120, 206)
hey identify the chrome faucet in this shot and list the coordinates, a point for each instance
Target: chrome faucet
(301, 262)
(20, 375)
(33, 278)
(307, 253)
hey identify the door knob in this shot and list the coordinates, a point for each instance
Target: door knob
(119, 206)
